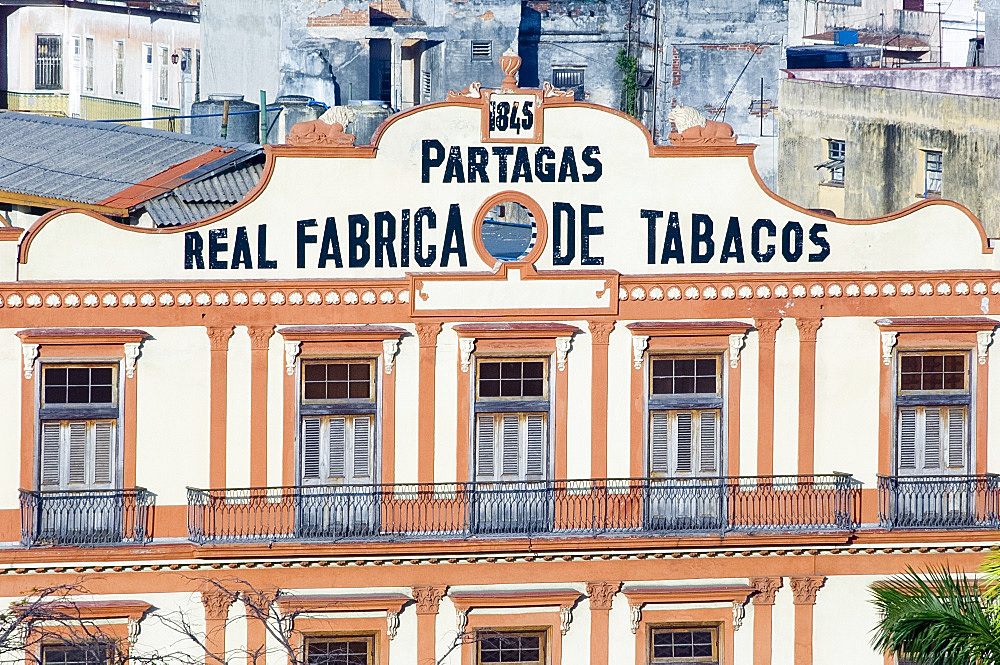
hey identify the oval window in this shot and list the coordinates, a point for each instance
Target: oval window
(508, 231)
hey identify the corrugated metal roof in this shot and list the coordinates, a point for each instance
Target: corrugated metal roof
(86, 161)
(211, 194)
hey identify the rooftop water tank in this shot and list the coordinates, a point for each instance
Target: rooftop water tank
(243, 126)
(368, 115)
(294, 109)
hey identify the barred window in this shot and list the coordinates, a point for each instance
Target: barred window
(48, 62)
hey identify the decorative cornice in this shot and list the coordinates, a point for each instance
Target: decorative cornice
(428, 597)
(369, 332)
(688, 594)
(692, 328)
(602, 594)
(387, 602)
(218, 337)
(808, 329)
(767, 329)
(515, 330)
(81, 335)
(427, 333)
(216, 604)
(923, 324)
(562, 598)
(804, 588)
(765, 588)
(600, 331)
(260, 337)
(259, 600)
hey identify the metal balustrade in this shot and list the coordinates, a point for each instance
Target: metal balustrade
(86, 517)
(939, 502)
(631, 506)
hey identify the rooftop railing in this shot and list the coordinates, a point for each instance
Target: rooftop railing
(939, 502)
(597, 507)
(86, 517)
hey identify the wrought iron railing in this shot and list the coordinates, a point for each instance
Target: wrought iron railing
(633, 506)
(86, 517)
(939, 502)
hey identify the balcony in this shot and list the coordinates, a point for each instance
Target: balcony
(600, 507)
(86, 517)
(939, 502)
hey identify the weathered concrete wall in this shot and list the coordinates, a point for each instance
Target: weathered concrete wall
(240, 47)
(886, 133)
(975, 81)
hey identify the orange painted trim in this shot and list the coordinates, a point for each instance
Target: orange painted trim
(388, 475)
(541, 227)
(8, 233)
(130, 418)
(733, 450)
(637, 421)
(688, 594)
(427, 334)
(937, 324)
(766, 331)
(260, 338)
(162, 182)
(547, 622)
(81, 335)
(515, 330)
(89, 610)
(290, 426)
(344, 603)
(708, 328)
(218, 403)
(341, 333)
(807, 394)
(464, 600)
(55, 203)
(803, 640)
(29, 391)
(332, 626)
(981, 460)
(561, 414)
(716, 617)
(600, 334)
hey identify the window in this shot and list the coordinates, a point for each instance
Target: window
(511, 422)
(526, 648)
(685, 414)
(684, 644)
(569, 78)
(197, 75)
(933, 401)
(482, 50)
(933, 167)
(119, 56)
(78, 414)
(164, 74)
(88, 64)
(48, 62)
(341, 650)
(88, 654)
(147, 50)
(835, 152)
(338, 407)
(425, 85)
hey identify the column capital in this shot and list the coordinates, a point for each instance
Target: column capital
(600, 331)
(804, 588)
(427, 332)
(765, 588)
(216, 604)
(218, 337)
(808, 328)
(428, 597)
(260, 336)
(602, 594)
(767, 329)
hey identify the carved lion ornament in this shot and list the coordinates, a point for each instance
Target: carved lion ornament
(694, 129)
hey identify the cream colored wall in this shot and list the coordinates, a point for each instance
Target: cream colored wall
(445, 405)
(786, 398)
(238, 409)
(993, 411)
(275, 409)
(619, 407)
(10, 423)
(173, 413)
(848, 362)
(749, 360)
(579, 368)
(407, 370)
(783, 626)
(843, 619)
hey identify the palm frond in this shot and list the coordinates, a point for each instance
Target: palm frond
(935, 619)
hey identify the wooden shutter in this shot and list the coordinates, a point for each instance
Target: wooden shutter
(510, 444)
(103, 451)
(535, 425)
(684, 442)
(932, 438)
(310, 448)
(77, 452)
(659, 443)
(956, 437)
(361, 447)
(907, 438)
(485, 437)
(338, 447)
(708, 442)
(51, 433)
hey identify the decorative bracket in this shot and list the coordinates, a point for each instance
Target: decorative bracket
(292, 350)
(29, 353)
(639, 345)
(466, 345)
(565, 619)
(984, 339)
(888, 343)
(739, 612)
(635, 612)
(391, 624)
(563, 345)
(131, 355)
(134, 628)
(736, 343)
(461, 620)
(390, 347)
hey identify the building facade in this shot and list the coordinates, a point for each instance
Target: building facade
(667, 417)
(102, 60)
(867, 142)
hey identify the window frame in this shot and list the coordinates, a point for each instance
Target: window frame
(657, 402)
(543, 645)
(54, 63)
(118, 58)
(518, 402)
(371, 639)
(928, 192)
(163, 74)
(684, 627)
(89, 53)
(343, 406)
(579, 89)
(833, 153)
